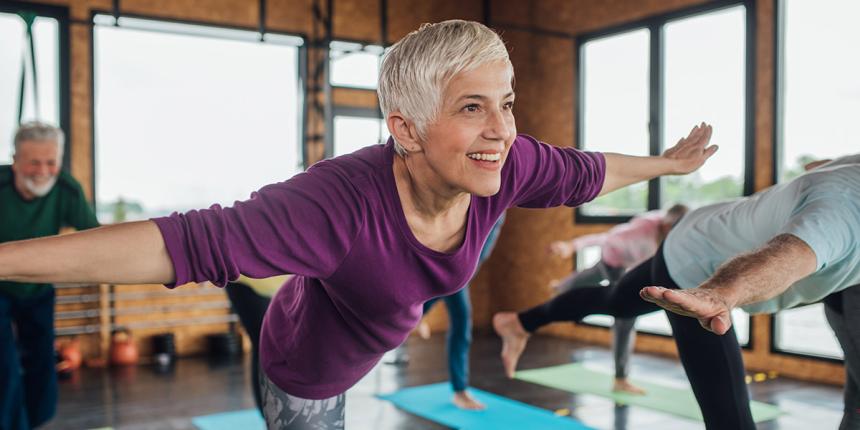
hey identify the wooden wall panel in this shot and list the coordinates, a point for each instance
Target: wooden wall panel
(578, 16)
(521, 273)
(80, 139)
(218, 12)
(355, 98)
(357, 20)
(190, 340)
(180, 310)
(765, 75)
(405, 16)
(520, 13)
(89, 344)
(289, 16)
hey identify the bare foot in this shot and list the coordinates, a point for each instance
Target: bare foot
(624, 386)
(464, 400)
(514, 339)
(424, 330)
(707, 305)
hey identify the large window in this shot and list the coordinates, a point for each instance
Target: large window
(644, 87)
(818, 103)
(16, 63)
(615, 110)
(819, 89)
(704, 81)
(355, 129)
(354, 65)
(804, 330)
(187, 116)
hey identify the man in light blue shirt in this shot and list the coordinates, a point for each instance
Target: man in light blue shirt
(789, 245)
(821, 208)
(793, 244)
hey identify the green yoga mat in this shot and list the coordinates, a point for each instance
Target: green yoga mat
(577, 378)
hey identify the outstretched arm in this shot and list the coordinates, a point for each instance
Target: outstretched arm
(748, 278)
(128, 253)
(566, 248)
(686, 156)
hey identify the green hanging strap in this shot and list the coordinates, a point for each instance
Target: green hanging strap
(29, 18)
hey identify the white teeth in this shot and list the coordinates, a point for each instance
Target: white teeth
(485, 157)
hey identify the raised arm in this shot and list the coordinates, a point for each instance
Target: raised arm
(747, 278)
(127, 253)
(686, 156)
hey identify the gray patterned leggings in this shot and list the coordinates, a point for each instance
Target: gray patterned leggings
(285, 412)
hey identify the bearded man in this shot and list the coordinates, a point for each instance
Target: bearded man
(37, 199)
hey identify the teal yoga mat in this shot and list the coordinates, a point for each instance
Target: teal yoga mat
(434, 403)
(576, 378)
(248, 419)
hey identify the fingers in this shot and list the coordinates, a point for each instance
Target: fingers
(720, 324)
(698, 138)
(697, 302)
(685, 303)
(651, 294)
(657, 295)
(709, 130)
(711, 150)
(679, 302)
(702, 137)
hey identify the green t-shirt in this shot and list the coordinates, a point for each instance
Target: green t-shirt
(64, 206)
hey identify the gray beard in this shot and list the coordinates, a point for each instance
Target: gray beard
(39, 190)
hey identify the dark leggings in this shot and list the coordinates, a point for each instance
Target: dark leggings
(251, 308)
(713, 363)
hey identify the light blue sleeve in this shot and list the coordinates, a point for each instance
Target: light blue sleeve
(828, 225)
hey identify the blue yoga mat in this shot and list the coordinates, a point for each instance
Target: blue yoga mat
(434, 403)
(248, 419)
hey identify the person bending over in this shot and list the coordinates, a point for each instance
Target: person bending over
(792, 244)
(622, 247)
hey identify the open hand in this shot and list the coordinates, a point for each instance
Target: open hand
(707, 305)
(692, 151)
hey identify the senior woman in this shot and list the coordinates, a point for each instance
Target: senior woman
(370, 236)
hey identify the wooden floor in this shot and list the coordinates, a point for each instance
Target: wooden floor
(142, 398)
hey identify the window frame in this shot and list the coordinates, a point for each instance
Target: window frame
(364, 44)
(776, 350)
(655, 25)
(61, 14)
(332, 110)
(302, 64)
(779, 28)
(348, 111)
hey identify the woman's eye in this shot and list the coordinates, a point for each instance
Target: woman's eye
(472, 108)
(509, 105)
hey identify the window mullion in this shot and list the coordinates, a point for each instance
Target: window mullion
(656, 99)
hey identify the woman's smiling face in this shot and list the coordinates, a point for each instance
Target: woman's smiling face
(468, 143)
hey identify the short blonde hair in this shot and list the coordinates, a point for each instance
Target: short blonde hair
(417, 69)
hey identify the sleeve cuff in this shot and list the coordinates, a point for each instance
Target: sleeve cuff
(172, 235)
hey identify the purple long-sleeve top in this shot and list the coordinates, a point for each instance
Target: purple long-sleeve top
(362, 276)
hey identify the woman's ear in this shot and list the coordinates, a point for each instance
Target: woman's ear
(404, 132)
